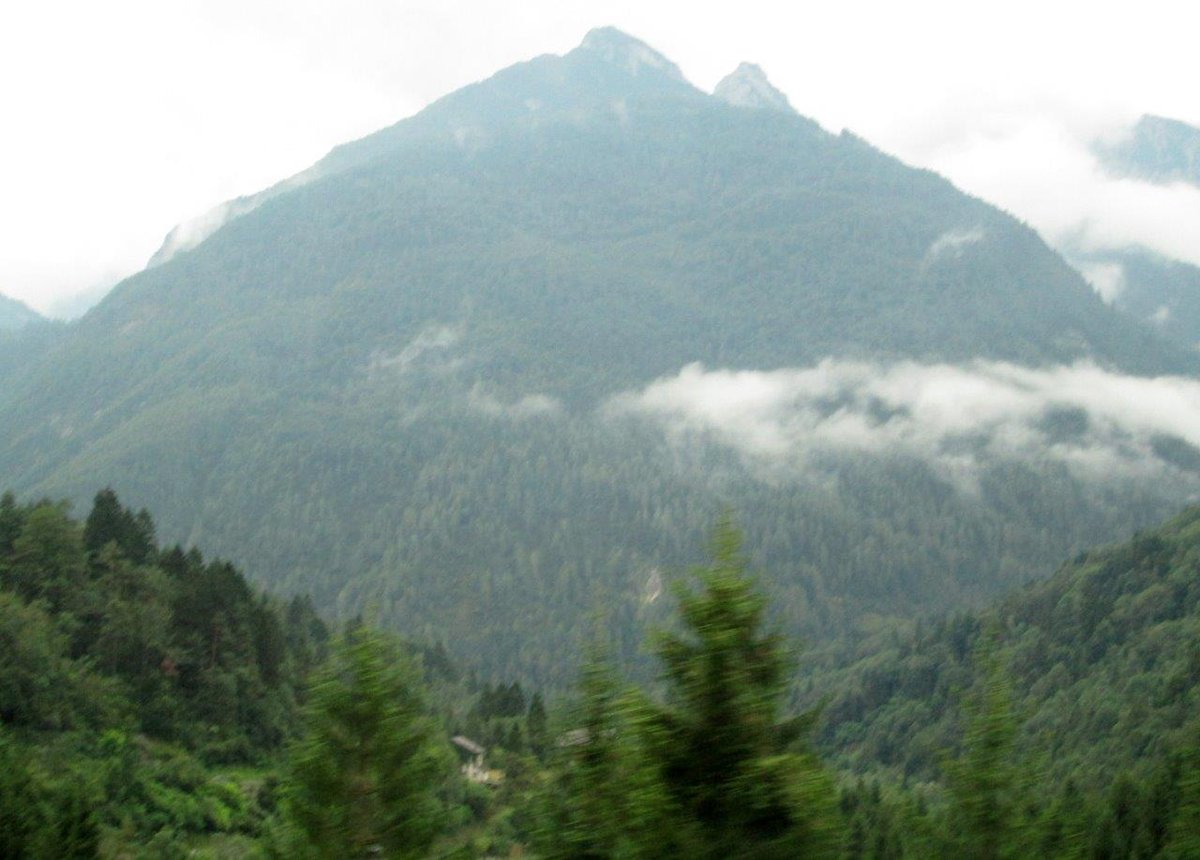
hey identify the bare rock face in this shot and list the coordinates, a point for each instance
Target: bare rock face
(747, 86)
(633, 55)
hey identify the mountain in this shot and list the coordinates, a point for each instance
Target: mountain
(1157, 149)
(1163, 291)
(15, 315)
(466, 374)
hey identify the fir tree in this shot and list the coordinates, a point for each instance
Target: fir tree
(362, 780)
(730, 760)
(987, 783)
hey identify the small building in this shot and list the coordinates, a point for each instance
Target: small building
(473, 766)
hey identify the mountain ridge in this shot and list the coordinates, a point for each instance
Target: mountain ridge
(387, 384)
(15, 314)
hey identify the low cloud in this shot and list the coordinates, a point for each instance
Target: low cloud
(432, 340)
(1107, 279)
(190, 233)
(1042, 167)
(952, 244)
(528, 406)
(957, 418)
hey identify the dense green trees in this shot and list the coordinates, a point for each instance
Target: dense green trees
(604, 798)
(987, 781)
(125, 699)
(126, 674)
(361, 781)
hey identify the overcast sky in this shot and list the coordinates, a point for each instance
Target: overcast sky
(125, 117)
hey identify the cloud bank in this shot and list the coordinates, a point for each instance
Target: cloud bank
(520, 409)
(958, 418)
(1041, 167)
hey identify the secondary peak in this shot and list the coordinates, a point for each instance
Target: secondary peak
(747, 86)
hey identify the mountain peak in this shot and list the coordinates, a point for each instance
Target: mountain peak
(15, 314)
(747, 86)
(632, 55)
(1157, 149)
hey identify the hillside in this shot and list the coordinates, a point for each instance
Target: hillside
(448, 375)
(1102, 660)
(1163, 292)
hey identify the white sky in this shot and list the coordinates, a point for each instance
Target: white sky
(123, 118)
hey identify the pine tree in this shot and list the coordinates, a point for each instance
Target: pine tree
(605, 799)
(729, 759)
(987, 783)
(362, 781)
(535, 725)
(48, 561)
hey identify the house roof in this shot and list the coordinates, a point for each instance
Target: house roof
(465, 743)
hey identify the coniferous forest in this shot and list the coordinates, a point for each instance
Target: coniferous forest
(592, 466)
(153, 704)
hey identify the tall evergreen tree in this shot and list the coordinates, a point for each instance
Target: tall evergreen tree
(729, 758)
(109, 522)
(535, 725)
(48, 561)
(606, 799)
(987, 783)
(362, 780)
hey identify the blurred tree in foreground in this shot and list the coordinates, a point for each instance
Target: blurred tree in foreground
(715, 770)
(988, 784)
(362, 780)
(728, 756)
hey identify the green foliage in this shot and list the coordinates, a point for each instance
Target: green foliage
(986, 783)
(604, 798)
(721, 743)
(44, 817)
(713, 771)
(1183, 832)
(47, 560)
(1101, 664)
(537, 726)
(1102, 660)
(110, 522)
(124, 674)
(362, 780)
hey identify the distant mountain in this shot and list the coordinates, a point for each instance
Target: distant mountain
(15, 314)
(1157, 149)
(426, 379)
(1165, 293)
(1162, 291)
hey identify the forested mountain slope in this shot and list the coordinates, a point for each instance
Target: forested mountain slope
(1103, 661)
(1162, 291)
(446, 375)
